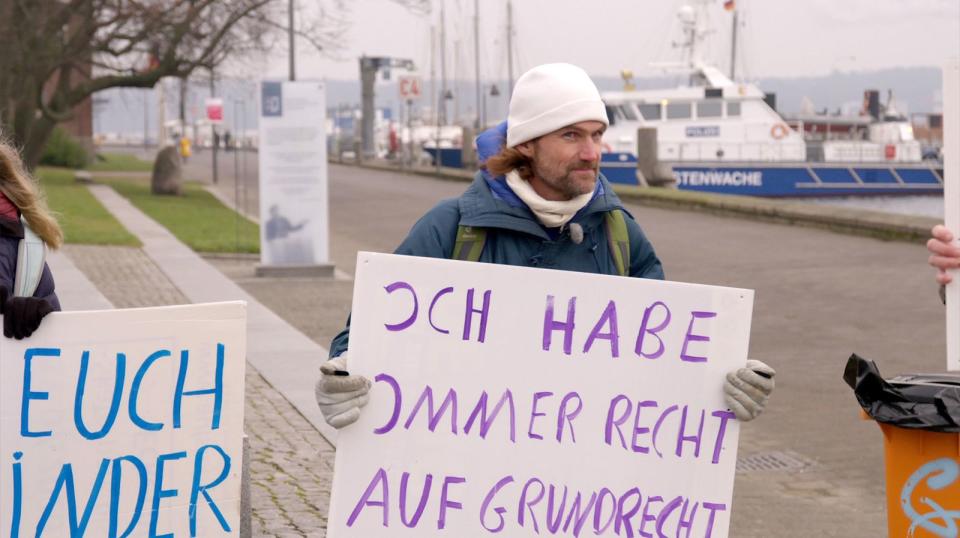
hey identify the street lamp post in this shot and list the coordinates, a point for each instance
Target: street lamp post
(494, 92)
(291, 37)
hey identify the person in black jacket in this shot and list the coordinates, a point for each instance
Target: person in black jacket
(22, 201)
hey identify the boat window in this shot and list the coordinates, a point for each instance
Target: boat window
(650, 111)
(614, 114)
(611, 113)
(627, 111)
(733, 109)
(678, 111)
(709, 109)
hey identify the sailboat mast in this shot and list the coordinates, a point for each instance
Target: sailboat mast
(443, 63)
(476, 55)
(733, 47)
(433, 68)
(510, 46)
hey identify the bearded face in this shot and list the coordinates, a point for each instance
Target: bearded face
(566, 162)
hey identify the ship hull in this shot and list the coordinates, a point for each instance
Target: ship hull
(774, 180)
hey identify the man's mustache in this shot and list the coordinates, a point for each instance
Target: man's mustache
(586, 165)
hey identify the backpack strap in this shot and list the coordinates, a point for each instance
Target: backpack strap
(469, 243)
(619, 240)
(31, 255)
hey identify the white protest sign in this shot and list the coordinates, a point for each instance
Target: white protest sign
(522, 401)
(124, 423)
(951, 198)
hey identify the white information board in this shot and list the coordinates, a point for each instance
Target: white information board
(951, 199)
(294, 229)
(124, 423)
(522, 401)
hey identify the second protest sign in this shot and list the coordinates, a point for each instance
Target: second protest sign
(522, 401)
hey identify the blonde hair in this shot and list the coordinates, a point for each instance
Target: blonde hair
(23, 192)
(509, 159)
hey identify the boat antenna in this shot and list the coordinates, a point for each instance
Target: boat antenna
(733, 46)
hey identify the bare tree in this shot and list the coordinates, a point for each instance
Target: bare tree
(54, 54)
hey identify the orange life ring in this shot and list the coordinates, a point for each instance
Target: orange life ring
(779, 131)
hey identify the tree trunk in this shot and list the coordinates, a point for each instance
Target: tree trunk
(36, 141)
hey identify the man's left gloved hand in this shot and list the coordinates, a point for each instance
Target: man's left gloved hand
(339, 394)
(747, 389)
(22, 315)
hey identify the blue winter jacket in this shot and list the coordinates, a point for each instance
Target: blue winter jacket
(516, 237)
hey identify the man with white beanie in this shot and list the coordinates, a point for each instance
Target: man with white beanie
(539, 201)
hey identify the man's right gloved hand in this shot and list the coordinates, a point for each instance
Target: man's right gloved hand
(339, 394)
(22, 315)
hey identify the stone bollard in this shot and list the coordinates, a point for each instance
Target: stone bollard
(167, 172)
(650, 171)
(83, 176)
(358, 150)
(468, 151)
(246, 528)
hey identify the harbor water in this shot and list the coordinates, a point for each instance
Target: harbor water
(917, 205)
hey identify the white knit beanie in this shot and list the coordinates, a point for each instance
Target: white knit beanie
(549, 97)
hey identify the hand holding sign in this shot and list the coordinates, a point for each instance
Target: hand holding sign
(747, 389)
(22, 315)
(944, 253)
(339, 394)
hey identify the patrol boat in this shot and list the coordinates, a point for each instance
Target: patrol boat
(722, 136)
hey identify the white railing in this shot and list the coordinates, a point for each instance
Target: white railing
(735, 152)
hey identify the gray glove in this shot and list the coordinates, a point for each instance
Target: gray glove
(746, 390)
(339, 394)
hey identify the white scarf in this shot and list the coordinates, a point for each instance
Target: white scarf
(552, 214)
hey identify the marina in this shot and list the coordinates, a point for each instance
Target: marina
(715, 134)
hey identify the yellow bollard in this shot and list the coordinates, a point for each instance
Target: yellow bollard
(185, 147)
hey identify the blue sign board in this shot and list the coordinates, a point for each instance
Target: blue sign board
(272, 99)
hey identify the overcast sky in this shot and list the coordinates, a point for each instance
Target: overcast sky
(777, 38)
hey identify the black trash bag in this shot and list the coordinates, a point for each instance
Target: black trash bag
(918, 401)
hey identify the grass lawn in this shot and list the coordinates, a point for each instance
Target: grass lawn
(81, 216)
(119, 162)
(196, 217)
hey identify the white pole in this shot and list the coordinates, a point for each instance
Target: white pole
(509, 49)
(476, 60)
(951, 198)
(161, 116)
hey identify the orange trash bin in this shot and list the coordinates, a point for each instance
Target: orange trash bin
(923, 482)
(919, 415)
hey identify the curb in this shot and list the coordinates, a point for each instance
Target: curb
(861, 222)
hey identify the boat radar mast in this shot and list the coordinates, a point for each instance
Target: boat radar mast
(695, 27)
